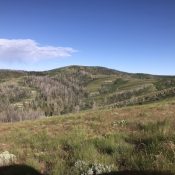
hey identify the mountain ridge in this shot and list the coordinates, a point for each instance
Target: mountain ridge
(82, 66)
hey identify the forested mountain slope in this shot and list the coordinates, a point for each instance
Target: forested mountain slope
(30, 95)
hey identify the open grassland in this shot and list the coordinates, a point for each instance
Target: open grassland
(129, 138)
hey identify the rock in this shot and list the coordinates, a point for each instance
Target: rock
(6, 158)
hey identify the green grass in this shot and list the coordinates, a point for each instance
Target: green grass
(95, 84)
(74, 143)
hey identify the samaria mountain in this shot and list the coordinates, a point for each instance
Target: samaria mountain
(31, 95)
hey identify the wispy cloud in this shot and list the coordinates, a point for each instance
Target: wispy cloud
(27, 50)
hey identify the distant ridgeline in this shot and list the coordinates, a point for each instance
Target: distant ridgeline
(31, 95)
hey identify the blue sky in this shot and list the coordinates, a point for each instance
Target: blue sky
(128, 35)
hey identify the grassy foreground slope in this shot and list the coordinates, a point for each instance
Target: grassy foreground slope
(128, 138)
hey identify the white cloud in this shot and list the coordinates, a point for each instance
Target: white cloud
(27, 50)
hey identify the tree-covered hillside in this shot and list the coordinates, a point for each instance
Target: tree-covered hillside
(30, 95)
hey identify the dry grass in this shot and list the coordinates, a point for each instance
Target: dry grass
(138, 137)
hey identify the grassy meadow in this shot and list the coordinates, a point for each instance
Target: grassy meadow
(129, 138)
